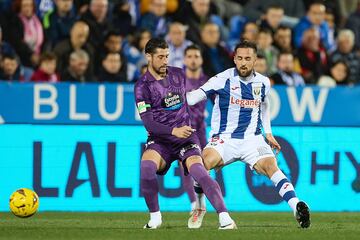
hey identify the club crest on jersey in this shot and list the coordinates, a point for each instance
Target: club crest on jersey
(172, 101)
(256, 91)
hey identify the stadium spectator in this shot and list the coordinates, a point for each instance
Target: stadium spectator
(272, 18)
(261, 65)
(195, 15)
(346, 52)
(24, 31)
(77, 68)
(228, 8)
(293, 10)
(78, 40)
(46, 70)
(286, 74)
(155, 19)
(282, 39)
(315, 18)
(337, 75)
(266, 49)
(58, 22)
(122, 20)
(216, 57)
(111, 69)
(353, 23)
(135, 54)
(250, 33)
(10, 69)
(112, 44)
(99, 23)
(177, 44)
(312, 57)
(330, 19)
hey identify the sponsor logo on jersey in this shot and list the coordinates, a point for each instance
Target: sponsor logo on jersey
(172, 101)
(141, 106)
(245, 103)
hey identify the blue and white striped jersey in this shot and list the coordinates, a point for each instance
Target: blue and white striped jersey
(237, 109)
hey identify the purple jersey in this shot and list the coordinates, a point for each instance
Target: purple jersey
(165, 98)
(197, 111)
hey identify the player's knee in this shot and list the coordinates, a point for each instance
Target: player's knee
(266, 166)
(211, 159)
(192, 160)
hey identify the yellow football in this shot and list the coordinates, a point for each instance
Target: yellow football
(24, 202)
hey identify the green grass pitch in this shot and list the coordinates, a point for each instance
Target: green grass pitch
(251, 225)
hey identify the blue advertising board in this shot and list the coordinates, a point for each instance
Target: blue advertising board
(96, 168)
(96, 104)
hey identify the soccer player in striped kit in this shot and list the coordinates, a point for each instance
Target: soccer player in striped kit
(241, 109)
(161, 103)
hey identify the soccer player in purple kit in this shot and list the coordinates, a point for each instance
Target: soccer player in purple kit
(161, 102)
(195, 78)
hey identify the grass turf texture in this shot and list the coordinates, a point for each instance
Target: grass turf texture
(253, 225)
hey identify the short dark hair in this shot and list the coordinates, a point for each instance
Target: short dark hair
(282, 27)
(192, 47)
(112, 32)
(246, 44)
(274, 6)
(47, 56)
(155, 43)
(266, 31)
(11, 56)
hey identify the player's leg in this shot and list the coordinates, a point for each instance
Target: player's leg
(211, 159)
(151, 162)
(268, 167)
(188, 186)
(211, 189)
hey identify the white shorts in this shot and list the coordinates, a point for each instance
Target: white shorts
(249, 150)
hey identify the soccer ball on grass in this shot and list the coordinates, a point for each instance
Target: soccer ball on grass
(24, 202)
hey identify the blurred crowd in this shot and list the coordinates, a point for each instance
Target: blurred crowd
(299, 41)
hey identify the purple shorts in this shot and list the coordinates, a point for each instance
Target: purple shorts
(171, 152)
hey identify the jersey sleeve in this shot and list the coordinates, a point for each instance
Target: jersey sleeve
(212, 85)
(142, 98)
(143, 104)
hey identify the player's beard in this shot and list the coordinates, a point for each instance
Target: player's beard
(244, 72)
(161, 71)
(193, 67)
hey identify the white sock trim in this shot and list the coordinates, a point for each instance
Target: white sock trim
(277, 177)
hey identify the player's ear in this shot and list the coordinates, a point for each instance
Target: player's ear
(148, 57)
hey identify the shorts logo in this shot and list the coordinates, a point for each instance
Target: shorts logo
(188, 147)
(148, 144)
(141, 106)
(263, 151)
(215, 141)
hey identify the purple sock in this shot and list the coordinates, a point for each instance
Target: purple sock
(210, 187)
(149, 185)
(188, 185)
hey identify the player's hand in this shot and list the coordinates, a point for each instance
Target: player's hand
(273, 143)
(182, 132)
